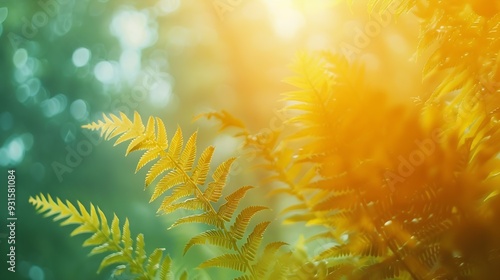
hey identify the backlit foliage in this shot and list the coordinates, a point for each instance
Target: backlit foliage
(118, 245)
(174, 165)
(402, 191)
(399, 190)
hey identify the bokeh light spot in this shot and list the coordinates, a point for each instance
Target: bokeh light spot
(130, 62)
(160, 94)
(15, 150)
(131, 28)
(54, 105)
(78, 110)
(287, 20)
(20, 57)
(104, 72)
(36, 273)
(34, 86)
(169, 6)
(22, 93)
(81, 57)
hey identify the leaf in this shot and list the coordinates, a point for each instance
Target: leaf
(267, 259)
(154, 261)
(205, 218)
(239, 227)
(162, 165)
(214, 190)
(214, 237)
(126, 239)
(140, 252)
(182, 183)
(115, 229)
(189, 153)
(232, 261)
(227, 209)
(107, 239)
(111, 259)
(176, 195)
(172, 179)
(249, 249)
(184, 276)
(148, 156)
(176, 145)
(165, 269)
(201, 170)
(188, 204)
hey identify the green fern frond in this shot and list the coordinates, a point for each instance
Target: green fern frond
(116, 243)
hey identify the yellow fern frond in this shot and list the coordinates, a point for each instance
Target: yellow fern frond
(239, 227)
(226, 210)
(214, 237)
(254, 239)
(232, 261)
(182, 183)
(116, 243)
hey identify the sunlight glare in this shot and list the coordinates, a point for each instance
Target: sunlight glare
(131, 28)
(286, 17)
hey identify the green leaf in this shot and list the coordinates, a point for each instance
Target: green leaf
(165, 269)
(111, 259)
(154, 261)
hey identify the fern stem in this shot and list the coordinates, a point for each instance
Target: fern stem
(381, 233)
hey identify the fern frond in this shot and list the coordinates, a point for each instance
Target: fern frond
(227, 120)
(182, 183)
(116, 243)
(219, 177)
(226, 210)
(239, 227)
(232, 261)
(249, 249)
(214, 237)
(205, 218)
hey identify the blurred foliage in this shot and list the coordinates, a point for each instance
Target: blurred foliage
(64, 62)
